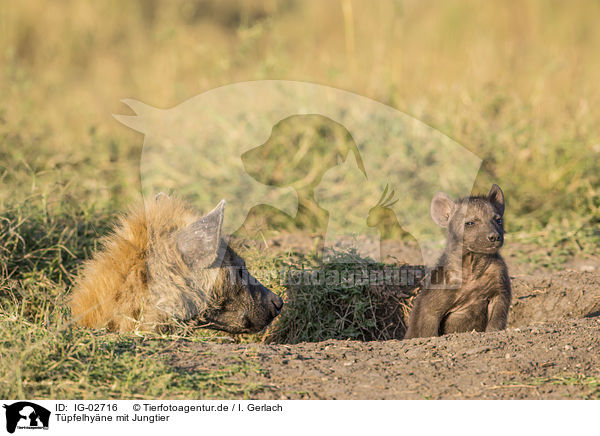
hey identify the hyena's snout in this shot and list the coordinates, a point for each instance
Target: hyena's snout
(265, 308)
(245, 305)
(271, 301)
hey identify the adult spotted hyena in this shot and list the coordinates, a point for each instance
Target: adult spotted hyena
(164, 264)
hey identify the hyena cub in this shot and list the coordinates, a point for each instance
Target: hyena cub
(472, 291)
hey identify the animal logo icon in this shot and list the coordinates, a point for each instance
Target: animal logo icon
(25, 414)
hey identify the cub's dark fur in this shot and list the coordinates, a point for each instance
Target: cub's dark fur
(473, 288)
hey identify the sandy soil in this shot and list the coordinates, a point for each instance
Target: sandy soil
(530, 362)
(551, 350)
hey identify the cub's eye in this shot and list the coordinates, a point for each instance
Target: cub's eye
(499, 221)
(469, 223)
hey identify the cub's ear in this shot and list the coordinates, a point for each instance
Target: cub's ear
(496, 197)
(442, 209)
(200, 242)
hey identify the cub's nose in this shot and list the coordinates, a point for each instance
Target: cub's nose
(493, 237)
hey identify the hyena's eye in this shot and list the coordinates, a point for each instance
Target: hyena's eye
(469, 223)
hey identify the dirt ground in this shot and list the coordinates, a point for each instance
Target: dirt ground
(531, 362)
(551, 350)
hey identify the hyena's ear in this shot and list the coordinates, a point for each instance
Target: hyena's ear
(496, 197)
(442, 209)
(200, 242)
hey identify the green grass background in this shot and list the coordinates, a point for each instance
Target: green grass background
(515, 82)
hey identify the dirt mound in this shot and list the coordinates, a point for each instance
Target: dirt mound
(551, 350)
(556, 360)
(545, 297)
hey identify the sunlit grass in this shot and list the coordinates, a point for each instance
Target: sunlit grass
(514, 82)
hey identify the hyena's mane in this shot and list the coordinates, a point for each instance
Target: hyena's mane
(114, 286)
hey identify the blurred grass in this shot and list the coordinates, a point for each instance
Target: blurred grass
(513, 81)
